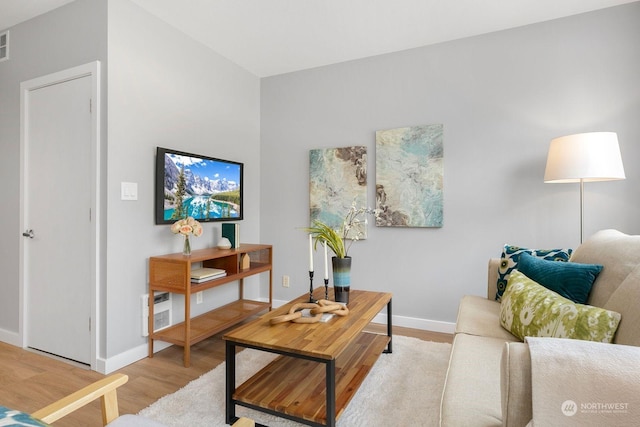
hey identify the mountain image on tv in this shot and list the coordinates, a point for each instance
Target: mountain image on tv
(202, 188)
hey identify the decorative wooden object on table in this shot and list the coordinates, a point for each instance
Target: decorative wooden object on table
(339, 345)
(172, 273)
(316, 310)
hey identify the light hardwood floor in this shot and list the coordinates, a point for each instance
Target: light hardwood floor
(30, 381)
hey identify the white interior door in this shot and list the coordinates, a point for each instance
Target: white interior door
(57, 191)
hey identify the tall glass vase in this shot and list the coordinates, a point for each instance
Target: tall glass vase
(186, 249)
(341, 278)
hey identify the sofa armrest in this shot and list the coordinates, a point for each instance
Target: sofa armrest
(600, 381)
(538, 377)
(492, 279)
(515, 384)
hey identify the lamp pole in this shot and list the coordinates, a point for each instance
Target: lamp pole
(581, 210)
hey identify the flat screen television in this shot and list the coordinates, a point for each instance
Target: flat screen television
(205, 188)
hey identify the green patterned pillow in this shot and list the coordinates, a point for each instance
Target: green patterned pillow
(511, 256)
(528, 309)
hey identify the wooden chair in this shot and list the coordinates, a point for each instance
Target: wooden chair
(105, 389)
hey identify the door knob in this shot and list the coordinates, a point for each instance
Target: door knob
(28, 233)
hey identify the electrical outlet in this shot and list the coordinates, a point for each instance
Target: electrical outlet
(199, 297)
(285, 281)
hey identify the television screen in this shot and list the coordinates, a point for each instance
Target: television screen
(205, 188)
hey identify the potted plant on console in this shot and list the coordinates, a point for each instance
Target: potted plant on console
(352, 228)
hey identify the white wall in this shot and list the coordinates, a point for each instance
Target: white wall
(167, 90)
(69, 36)
(501, 97)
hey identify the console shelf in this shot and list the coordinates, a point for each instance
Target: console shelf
(172, 273)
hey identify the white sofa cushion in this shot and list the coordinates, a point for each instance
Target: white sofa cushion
(474, 365)
(515, 384)
(480, 316)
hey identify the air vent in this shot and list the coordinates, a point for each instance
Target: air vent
(161, 312)
(4, 46)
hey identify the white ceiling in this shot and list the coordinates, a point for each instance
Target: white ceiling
(269, 37)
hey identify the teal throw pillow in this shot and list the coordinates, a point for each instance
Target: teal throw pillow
(528, 309)
(570, 279)
(511, 255)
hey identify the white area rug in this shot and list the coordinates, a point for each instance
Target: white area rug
(403, 388)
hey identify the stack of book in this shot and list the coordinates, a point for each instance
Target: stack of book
(201, 275)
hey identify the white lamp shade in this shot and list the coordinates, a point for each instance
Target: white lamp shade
(584, 157)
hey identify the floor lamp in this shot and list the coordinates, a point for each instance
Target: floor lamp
(584, 157)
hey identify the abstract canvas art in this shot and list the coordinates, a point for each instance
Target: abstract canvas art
(409, 174)
(337, 180)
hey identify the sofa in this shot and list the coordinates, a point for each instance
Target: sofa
(497, 379)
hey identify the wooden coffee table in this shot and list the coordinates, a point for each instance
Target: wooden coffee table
(321, 364)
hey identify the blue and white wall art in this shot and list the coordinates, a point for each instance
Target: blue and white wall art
(337, 180)
(409, 175)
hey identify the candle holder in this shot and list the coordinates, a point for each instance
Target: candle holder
(311, 287)
(326, 289)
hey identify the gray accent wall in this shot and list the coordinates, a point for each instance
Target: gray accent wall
(501, 98)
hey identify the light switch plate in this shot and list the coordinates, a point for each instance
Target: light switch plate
(129, 191)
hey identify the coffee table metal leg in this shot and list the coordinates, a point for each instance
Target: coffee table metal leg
(230, 382)
(389, 327)
(331, 393)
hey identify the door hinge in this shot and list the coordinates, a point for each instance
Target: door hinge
(89, 324)
(90, 105)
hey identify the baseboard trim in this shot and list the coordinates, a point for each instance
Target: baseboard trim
(107, 366)
(415, 323)
(10, 337)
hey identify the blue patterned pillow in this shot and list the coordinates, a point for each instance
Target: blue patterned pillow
(9, 417)
(511, 256)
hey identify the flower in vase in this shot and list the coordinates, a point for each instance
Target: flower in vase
(186, 227)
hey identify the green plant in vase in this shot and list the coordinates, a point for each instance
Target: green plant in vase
(352, 229)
